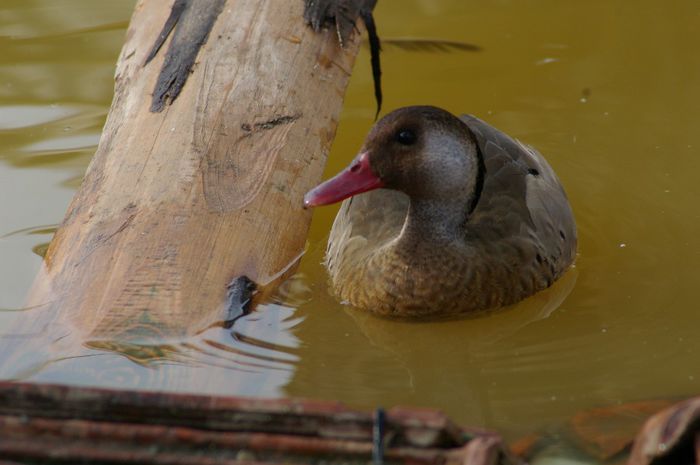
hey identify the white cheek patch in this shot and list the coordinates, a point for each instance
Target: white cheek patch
(448, 163)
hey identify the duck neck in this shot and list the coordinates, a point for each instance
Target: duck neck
(431, 222)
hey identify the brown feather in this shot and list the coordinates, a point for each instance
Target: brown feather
(519, 239)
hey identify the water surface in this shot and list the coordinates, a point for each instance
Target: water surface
(607, 90)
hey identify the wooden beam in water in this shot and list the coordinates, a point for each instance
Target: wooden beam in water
(177, 203)
(59, 424)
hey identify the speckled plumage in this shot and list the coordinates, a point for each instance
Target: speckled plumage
(415, 250)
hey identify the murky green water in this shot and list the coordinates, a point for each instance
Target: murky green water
(609, 91)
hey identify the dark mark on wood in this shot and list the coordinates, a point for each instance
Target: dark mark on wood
(239, 296)
(342, 15)
(175, 12)
(269, 124)
(277, 121)
(192, 21)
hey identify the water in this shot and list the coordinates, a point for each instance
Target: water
(606, 90)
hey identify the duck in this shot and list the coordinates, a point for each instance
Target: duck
(444, 216)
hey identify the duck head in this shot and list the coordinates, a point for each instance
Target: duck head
(423, 151)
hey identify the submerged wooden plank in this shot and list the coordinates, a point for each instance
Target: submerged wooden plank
(55, 424)
(176, 204)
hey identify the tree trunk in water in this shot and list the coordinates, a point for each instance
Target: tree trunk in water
(177, 203)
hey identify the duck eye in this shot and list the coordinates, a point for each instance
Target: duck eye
(405, 137)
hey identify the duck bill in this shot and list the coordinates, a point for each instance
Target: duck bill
(354, 179)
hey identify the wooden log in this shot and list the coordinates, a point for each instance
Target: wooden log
(58, 424)
(177, 203)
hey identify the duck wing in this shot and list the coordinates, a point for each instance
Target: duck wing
(522, 198)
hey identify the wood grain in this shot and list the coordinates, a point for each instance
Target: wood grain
(176, 204)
